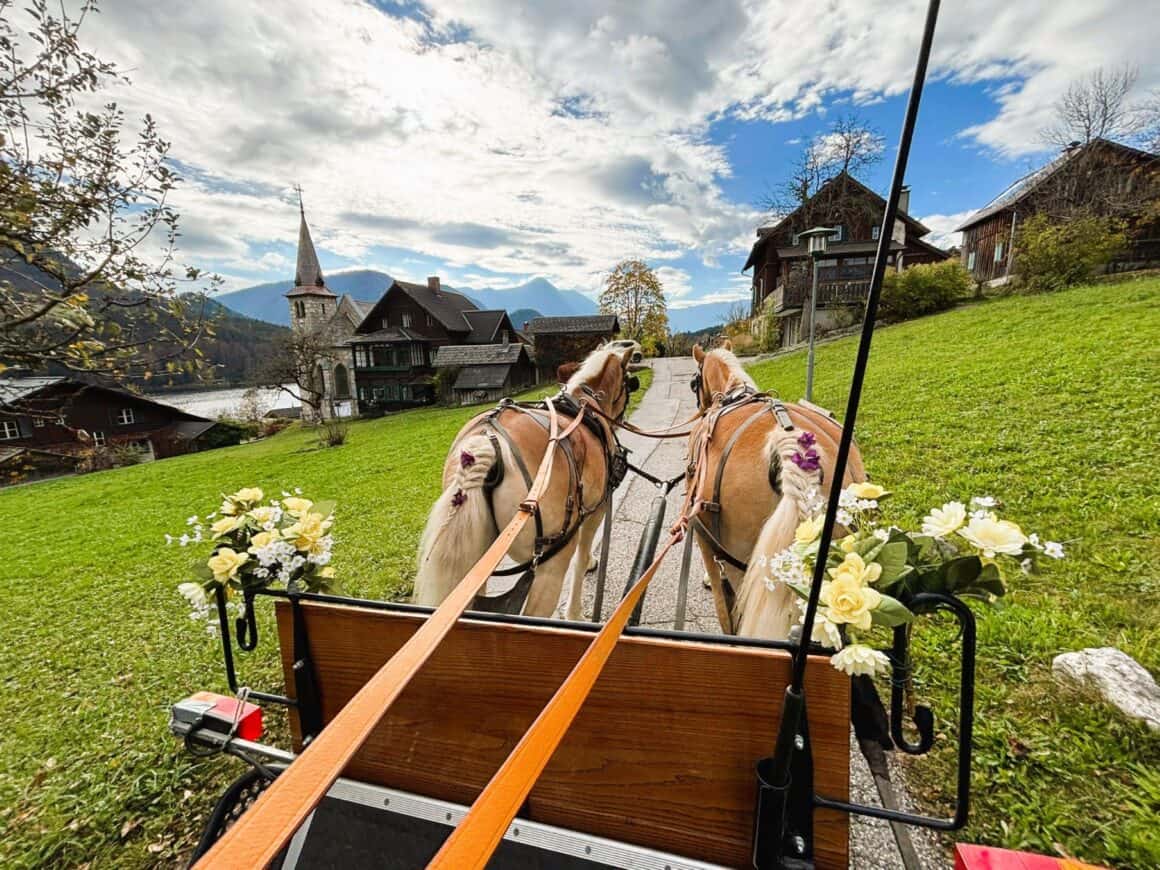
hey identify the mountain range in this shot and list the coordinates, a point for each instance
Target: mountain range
(267, 301)
(538, 296)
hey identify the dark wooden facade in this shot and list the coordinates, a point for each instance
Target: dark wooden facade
(782, 271)
(1101, 178)
(66, 416)
(559, 340)
(394, 347)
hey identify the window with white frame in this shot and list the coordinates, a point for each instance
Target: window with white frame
(971, 260)
(124, 416)
(9, 430)
(406, 318)
(839, 234)
(998, 252)
(430, 320)
(98, 439)
(39, 422)
(875, 231)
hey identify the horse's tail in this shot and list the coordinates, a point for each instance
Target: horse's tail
(460, 526)
(758, 612)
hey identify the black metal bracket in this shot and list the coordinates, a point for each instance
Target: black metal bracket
(305, 680)
(645, 552)
(247, 629)
(922, 604)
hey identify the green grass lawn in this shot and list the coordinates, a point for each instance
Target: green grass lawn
(96, 643)
(1049, 403)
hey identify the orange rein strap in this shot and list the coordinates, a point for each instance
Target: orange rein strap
(480, 832)
(258, 836)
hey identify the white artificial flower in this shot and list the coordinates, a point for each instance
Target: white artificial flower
(860, 660)
(1054, 549)
(984, 501)
(1026, 565)
(825, 632)
(993, 536)
(982, 514)
(183, 540)
(844, 517)
(940, 522)
(814, 503)
(168, 540)
(191, 520)
(298, 490)
(882, 534)
(847, 499)
(1033, 540)
(786, 567)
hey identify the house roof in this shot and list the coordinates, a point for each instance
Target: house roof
(479, 354)
(1024, 186)
(764, 233)
(598, 323)
(17, 389)
(837, 249)
(484, 325)
(482, 377)
(446, 306)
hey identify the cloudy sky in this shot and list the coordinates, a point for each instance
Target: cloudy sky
(490, 143)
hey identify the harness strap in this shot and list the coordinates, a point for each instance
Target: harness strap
(259, 835)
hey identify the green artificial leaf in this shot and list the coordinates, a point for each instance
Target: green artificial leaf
(890, 613)
(326, 508)
(990, 581)
(892, 557)
(961, 573)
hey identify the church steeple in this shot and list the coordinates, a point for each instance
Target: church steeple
(308, 278)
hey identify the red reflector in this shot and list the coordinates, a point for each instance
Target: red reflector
(225, 708)
(990, 858)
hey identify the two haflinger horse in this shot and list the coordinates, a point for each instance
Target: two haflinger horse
(745, 517)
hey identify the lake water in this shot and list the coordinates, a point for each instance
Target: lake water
(228, 402)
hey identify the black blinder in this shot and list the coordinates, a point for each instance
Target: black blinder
(695, 384)
(632, 384)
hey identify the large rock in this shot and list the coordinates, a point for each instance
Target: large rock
(1119, 678)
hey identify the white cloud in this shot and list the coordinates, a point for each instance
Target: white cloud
(676, 282)
(942, 228)
(554, 141)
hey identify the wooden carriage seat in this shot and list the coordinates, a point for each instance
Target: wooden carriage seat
(662, 754)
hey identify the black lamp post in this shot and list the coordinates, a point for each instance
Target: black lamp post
(816, 240)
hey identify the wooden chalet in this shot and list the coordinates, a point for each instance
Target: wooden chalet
(781, 266)
(394, 346)
(1102, 177)
(486, 372)
(557, 340)
(48, 421)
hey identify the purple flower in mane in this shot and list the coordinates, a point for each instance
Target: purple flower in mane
(466, 459)
(459, 498)
(807, 439)
(809, 461)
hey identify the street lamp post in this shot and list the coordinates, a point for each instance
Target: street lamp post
(816, 247)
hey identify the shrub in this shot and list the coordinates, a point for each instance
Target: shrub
(1051, 255)
(227, 433)
(922, 289)
(332, 432)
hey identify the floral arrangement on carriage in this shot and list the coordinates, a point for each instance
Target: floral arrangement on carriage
(876, 572)
(257, 543)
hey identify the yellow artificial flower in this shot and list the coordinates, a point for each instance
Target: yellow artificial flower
(307, 533)
(940, 522)
(866, 490)
(326, 573)
(992, 536)
(848, 543)
(808, 530)
(228, 508)
(847, 600)
(225, 564)
(262, 539)
(854, 567)
(226, 525)
(297, 506)
(249, 495)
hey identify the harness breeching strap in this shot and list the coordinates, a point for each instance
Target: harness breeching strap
(259, 835)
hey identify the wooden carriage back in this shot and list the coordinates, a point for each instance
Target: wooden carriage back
(662, 755)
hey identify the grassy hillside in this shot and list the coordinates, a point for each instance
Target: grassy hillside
(97, 643)
(1049, 403)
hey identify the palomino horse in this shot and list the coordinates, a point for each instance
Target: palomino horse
(757, 479)
(477, 501)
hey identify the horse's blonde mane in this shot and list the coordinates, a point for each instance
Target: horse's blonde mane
(737, 374)
(591, 369)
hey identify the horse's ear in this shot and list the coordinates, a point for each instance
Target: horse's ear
(626, 356)
(565, 371)
(727, 345)
(698, 354)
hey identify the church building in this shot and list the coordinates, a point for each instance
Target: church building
(382, 356)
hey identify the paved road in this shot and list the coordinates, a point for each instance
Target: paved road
(668, 401)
